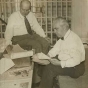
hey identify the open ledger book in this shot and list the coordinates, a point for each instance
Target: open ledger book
(41, 58)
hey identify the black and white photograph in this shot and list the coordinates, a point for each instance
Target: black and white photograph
(43, 43)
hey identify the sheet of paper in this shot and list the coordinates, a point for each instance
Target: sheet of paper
(40, 61)
(42, 56)
(5, 64)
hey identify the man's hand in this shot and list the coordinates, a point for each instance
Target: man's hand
(54, 61)
(14, 40)
(9, 49)
(48, 39)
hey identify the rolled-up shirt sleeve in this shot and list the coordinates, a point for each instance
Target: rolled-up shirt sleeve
(36, 27)
(55, 50)
(9, 31)
(72, 59)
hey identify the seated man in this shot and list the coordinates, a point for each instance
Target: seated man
(23, 29)
(71, 55)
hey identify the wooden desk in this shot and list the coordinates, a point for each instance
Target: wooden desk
(10, 81)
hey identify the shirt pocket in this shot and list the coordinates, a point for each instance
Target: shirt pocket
(17, 29)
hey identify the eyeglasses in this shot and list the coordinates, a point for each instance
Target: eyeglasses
(26, 10)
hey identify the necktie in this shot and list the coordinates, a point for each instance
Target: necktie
(62, 38)
(28, 26)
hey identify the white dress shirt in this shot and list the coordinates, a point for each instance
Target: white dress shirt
(16, 26)
(70, 51)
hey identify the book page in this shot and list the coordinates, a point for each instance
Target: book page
(5, 64)
(40, 61)
(42, 56)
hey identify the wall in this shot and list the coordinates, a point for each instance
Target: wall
(80, 18)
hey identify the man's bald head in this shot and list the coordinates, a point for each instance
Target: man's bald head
(25, 7)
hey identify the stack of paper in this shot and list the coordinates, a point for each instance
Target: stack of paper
(18, 52)
(21, 54)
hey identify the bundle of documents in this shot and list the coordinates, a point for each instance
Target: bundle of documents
(21, 54)
(18, 52)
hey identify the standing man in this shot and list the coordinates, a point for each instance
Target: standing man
(71, 55)
(23, 29)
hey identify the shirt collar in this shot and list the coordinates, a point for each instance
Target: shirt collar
(67, 34)
(20, 15)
